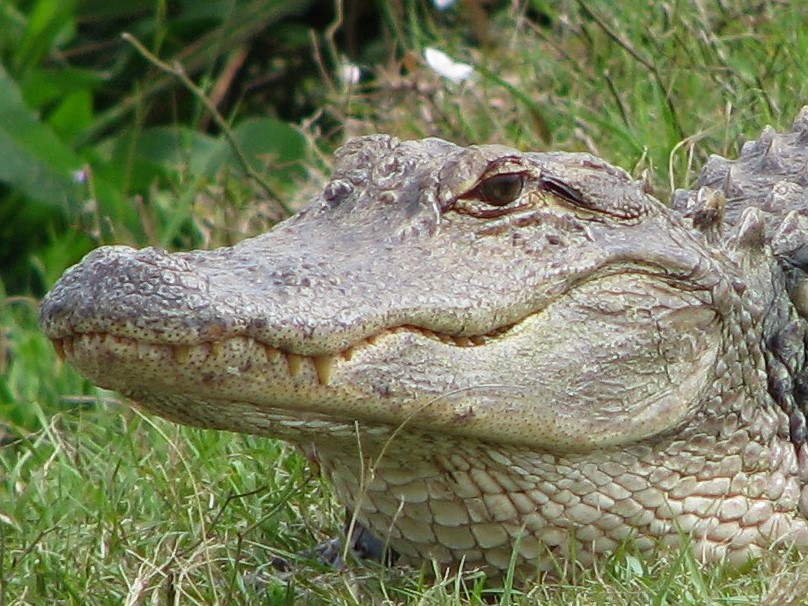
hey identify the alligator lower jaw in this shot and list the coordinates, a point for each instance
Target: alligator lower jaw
(251, 384)
(236, 354)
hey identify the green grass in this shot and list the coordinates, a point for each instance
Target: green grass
(101, 505)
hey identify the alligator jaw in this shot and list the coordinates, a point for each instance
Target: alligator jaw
(235, 351)
(430, 381)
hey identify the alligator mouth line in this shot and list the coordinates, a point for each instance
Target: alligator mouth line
(323, 365)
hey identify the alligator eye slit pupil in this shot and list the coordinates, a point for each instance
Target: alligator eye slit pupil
(500, 190)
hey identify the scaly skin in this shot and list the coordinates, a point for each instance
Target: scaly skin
(539, 365)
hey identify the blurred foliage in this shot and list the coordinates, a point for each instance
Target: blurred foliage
(91, 133)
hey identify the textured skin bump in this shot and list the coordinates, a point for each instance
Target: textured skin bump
(495, 356)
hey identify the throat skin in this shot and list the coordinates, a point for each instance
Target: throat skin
(494, 356)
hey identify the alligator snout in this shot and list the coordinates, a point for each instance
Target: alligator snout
(141, 294)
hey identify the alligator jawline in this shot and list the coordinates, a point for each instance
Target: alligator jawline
(323, 364)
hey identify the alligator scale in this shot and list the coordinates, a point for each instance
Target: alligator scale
(495, 355)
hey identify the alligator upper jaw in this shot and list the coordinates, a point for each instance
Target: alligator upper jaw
(310, 296)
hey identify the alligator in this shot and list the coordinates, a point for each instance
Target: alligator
(501, 360)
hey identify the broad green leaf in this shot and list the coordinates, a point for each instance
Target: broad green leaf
(161, 151)
(140, 157)
(34, 160)
(12, 25)
(42, 86)
(262, 137)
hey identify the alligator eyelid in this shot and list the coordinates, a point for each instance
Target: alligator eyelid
(562, 190)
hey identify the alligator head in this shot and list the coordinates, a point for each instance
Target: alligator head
(488, 351)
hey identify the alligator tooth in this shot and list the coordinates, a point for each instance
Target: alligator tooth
(215, 348)
(324, 365)
(67, 346)
(295, 363)
(271, 353)
(58, 345)
(180, 353)
(347, 354)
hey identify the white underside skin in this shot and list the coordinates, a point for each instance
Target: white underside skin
(481, 504)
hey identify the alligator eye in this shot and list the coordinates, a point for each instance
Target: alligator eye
(500, 190)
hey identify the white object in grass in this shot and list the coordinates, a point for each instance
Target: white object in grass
(443, 65)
